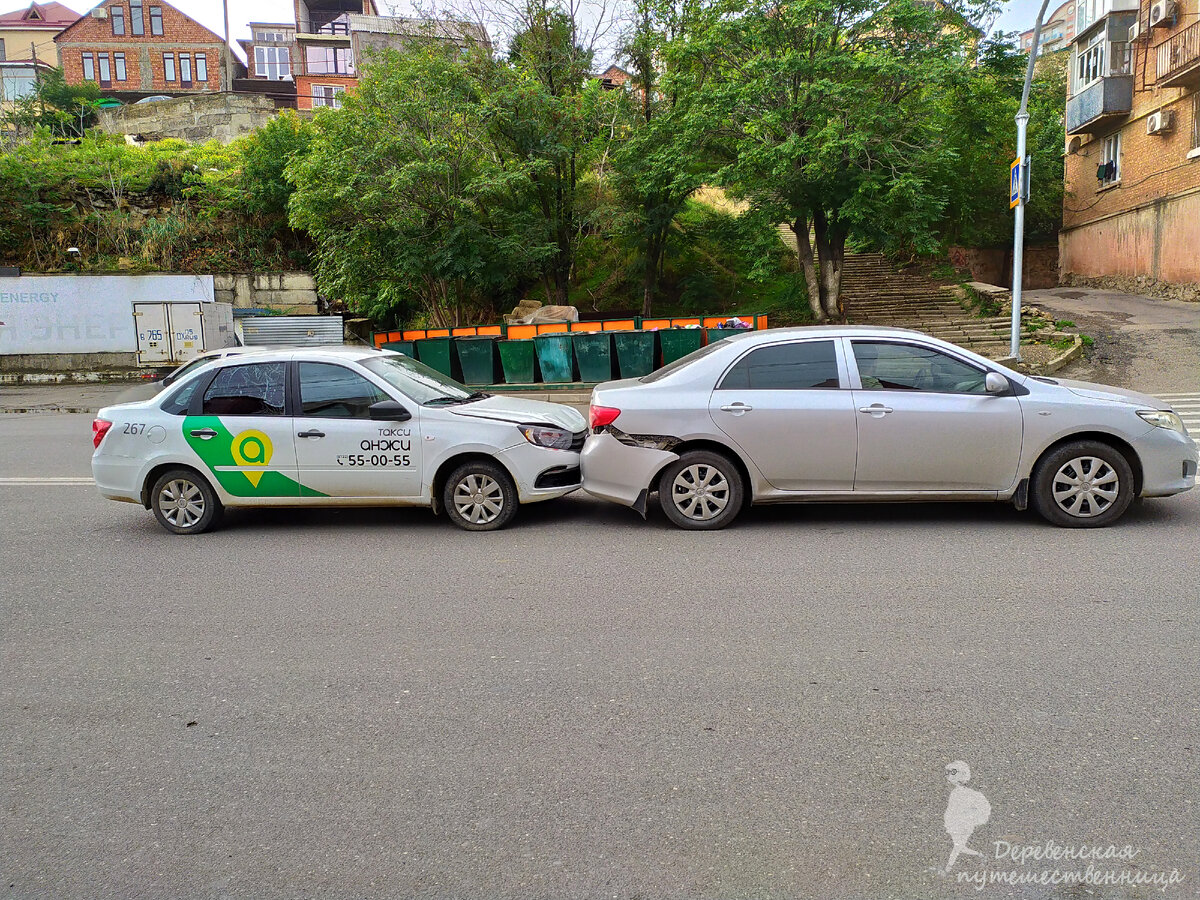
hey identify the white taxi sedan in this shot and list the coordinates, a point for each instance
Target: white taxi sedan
(333, 426)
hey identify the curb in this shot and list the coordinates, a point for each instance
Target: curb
(1071, 354)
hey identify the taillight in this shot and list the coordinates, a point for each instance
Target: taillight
(99, 430)
(599, 416)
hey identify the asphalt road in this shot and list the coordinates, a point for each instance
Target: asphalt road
(375, 704)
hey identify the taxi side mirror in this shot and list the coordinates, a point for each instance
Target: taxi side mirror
(389, 411)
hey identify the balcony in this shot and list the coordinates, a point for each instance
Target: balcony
(1178, 58)
(1108, 95)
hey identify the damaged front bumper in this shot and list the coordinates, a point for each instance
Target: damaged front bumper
(621, 468)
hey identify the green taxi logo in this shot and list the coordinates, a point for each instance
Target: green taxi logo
(252, 448)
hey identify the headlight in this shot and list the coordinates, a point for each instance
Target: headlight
(541, 436)
(1162, 418)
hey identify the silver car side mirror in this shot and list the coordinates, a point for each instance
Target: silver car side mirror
(995, 383)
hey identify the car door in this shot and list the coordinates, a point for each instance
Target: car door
(926, 421)
(239, 427)
(784, 406)
(340, 450)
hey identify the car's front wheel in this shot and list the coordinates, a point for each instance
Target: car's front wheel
(184, 503)
(480, 496)
(1084, 484)
(701, 491)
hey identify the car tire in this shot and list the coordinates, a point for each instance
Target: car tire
(480, 496)
(184, 502)
(701, 491)
(1084, 484)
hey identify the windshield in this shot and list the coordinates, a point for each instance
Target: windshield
(416, 380)
(681, 362)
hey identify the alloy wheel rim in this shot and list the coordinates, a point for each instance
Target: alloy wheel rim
(1085, 487)
(181, 502)
(700, 492)
(479, 499)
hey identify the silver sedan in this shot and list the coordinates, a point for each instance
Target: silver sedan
(863, 413)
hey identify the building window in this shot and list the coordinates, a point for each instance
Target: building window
(1196, 121)
(271, 37)
(1109, 170)
(272, 62)
(105, 69)
(137, 23)
(89, 67)
(185, 69)
(117, 15)
(1089, 65)
(17, 83)
(327, 95)
(1, 49)
(119, 65)
(169, 66)
(329, 61)
(201, 67)
(156, 20)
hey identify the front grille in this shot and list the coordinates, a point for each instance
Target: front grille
(559, 477)
(577, 440)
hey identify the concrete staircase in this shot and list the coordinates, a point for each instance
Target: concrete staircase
(876, 292)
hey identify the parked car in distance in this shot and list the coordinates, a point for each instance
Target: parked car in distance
(865, 413)
(331, 427)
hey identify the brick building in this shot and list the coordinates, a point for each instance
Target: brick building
(322, 52)
(135, 48)
(1132, 205)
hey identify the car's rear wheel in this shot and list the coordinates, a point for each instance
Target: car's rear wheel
(480, 496)
(1084, 484)
(185, 503)
(701, 491)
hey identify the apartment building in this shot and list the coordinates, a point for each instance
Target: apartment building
(1132, 205)
(321, 53)
(136, 48)
(1058, 31)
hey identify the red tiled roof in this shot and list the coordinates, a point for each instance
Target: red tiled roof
(40, 15)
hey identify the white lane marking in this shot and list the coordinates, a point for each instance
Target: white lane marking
(47, 481)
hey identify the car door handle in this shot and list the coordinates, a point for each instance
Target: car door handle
(311, 433)
(877, 410)
(737, 408)
(204, 433)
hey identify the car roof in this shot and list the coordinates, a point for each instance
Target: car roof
(330, 352)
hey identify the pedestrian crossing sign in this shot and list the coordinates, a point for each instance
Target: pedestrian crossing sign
(1014, 183)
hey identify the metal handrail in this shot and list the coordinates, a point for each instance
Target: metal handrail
(1178, 51)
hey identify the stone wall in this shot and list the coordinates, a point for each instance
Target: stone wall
(993, 265)
(204, 117)
(288, 293)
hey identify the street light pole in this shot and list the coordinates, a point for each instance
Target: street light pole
(1023, 179)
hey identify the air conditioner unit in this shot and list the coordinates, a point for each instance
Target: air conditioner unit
(1162, 13)
(1135, 31)
(100, 12)
(1159, 122)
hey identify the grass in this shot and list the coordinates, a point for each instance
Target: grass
(1064, 323)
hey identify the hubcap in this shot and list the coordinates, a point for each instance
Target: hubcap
(1085, 487)
(181, 502)
(700, 492)
(479, 499)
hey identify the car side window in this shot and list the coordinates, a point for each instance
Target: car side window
(330, 391)
(256, 389)
(908, 367)
(798, 366)
(180, 401)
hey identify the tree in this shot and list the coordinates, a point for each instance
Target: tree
(409, 208)
(67, 110)
(827, 107)
(545, 118)
(268, 153)
(661, 162)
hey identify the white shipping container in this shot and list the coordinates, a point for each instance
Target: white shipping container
(172, 332)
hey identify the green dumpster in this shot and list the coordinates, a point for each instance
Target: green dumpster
(635, 352)
(405, 347)
(718, 334)
(435, 353)
(554, 357)
(593, 354)
(677, 342)
(477, 359)
(518, 361)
